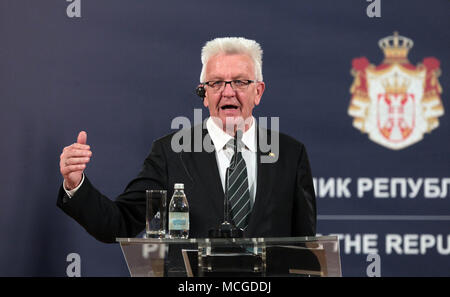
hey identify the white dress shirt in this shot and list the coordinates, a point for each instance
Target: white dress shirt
(224, 155)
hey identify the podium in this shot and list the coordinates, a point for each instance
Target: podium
(231, 257)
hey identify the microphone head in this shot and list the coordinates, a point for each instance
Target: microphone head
(200, 91)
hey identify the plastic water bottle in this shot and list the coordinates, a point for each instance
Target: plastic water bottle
(178, 214)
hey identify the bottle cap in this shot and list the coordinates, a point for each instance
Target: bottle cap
(179, 187)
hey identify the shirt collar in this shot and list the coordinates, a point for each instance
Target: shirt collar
(220, 138)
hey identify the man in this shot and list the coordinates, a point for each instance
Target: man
(267, 199)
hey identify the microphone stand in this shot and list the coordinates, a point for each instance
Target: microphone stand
(227, 229)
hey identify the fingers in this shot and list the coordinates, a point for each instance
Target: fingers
(77, 146)
(82, 137)
(75, 153)
(71, 159)
(74, 158)
(76, 161)
(66, 170)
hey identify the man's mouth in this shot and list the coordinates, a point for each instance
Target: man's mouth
(229, 106)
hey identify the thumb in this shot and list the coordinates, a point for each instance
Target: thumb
(82, 137)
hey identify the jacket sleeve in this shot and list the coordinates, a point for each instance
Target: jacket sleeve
(125, 217)
(304, 209)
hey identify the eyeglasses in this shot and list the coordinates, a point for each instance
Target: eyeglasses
(237, 84)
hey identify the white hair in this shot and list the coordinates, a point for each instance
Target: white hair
(233, 45)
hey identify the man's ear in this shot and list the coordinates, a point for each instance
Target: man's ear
(260, 87)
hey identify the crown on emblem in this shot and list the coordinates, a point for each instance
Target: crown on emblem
(395, 48)
(397, 86)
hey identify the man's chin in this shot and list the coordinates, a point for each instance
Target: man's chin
(230, 113)
(230, 123)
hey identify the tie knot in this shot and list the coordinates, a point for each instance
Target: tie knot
(231, 144)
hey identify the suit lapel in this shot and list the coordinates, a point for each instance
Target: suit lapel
(202, 167)
(264, 182)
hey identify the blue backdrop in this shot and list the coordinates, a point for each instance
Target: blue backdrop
(125, 69)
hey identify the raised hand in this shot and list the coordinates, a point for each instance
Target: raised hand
(73, 161)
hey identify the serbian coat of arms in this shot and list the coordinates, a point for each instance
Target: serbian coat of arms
(396, 102)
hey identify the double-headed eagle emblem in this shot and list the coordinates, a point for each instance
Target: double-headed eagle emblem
(395, 103)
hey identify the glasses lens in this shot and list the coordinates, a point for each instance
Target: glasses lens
(240, 84)
(235, 84)
(217, 85)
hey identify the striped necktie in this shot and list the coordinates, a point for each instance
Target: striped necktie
(238, 191)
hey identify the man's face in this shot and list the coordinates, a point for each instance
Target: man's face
(229, 103)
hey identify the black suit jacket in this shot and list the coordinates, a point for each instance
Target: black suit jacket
(285, 203)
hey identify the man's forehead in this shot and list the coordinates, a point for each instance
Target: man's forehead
(229, 57)
(235, 65)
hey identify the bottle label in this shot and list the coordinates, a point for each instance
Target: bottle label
(178, 221)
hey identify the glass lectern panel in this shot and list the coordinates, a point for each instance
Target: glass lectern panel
(291, 256)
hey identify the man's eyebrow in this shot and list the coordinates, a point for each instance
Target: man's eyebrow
(214, 78)
(239, 76)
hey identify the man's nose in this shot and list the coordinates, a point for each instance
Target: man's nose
(228, 91)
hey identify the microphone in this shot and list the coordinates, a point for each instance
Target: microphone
(237, 135)
(200, 91)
